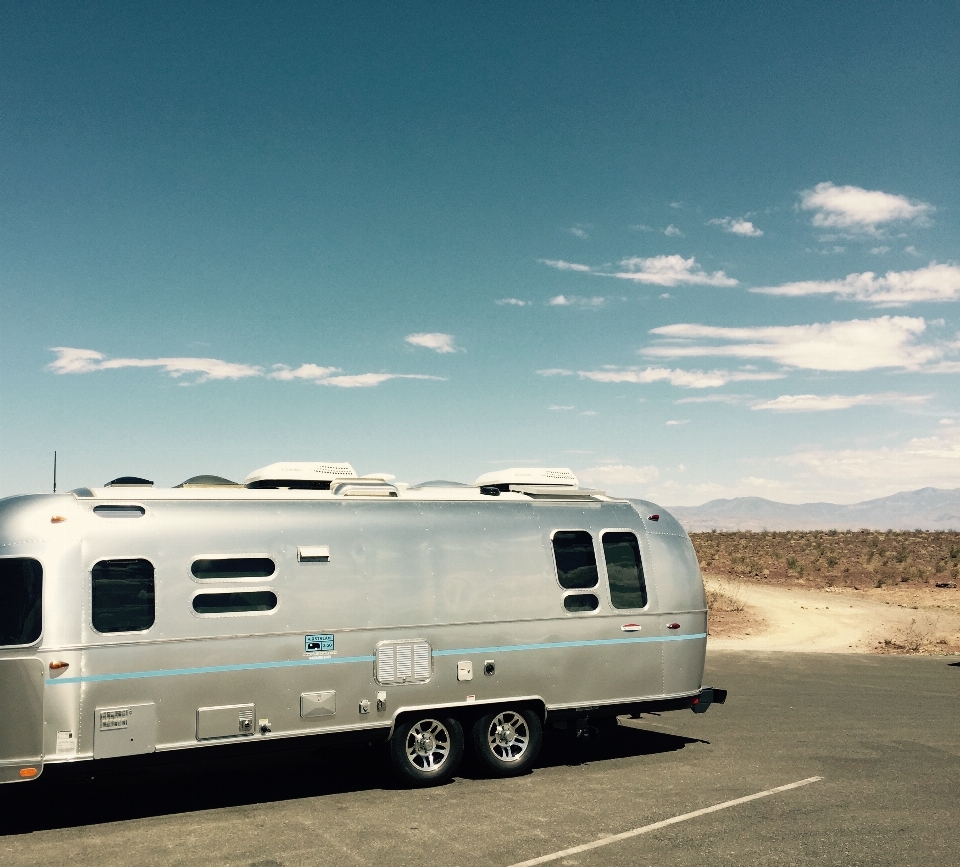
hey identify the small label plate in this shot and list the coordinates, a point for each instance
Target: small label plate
(320, 643)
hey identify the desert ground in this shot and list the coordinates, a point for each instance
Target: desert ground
(833, 592)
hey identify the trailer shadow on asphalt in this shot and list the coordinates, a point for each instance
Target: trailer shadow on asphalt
(70, 797)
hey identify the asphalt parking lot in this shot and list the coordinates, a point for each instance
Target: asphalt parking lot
(882, 732)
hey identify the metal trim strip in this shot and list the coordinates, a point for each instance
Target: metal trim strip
(288, 663)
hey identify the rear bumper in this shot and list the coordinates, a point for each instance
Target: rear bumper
(698, 702)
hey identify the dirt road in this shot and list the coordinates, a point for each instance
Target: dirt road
(828, 621)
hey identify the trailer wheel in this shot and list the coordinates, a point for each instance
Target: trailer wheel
(507, 742)
(427, 751)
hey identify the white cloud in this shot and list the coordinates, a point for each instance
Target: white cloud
(559, 408)
(611, 475)
(733, 399)
(672, 422)
(911, 249)
(589, 412)
(681, 378)
(879, 251)
(576, 301)
(304, 371)
(858, 344)
(859, 210)
(641, 227)
(925, 461)
(737, 226)
(368, 380)
(560, 265)
(436, 341)
(71, 360)
(555, 371)
(578, 231)
(671, 270)
(826, 403)
(933, 283)
(514, 302)
(672, 232)
(665, 295)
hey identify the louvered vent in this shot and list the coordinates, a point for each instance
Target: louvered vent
(403, 661)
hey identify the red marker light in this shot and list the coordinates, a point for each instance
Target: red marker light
(673, 626)
(695, 701)
(653, 518)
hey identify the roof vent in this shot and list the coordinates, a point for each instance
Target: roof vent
(529, 476)
(129, 482)
(299, 475)
(208, 482)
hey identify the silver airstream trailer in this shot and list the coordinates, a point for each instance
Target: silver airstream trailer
(311, 601)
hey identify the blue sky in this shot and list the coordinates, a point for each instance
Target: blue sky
(690, 250)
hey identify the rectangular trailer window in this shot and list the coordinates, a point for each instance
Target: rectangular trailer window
(123, 595)
(576, 562)
(233, 567)
(624, 570)
(234, 603)
(21, 610)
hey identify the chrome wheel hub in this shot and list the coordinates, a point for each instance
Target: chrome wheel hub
(508, 736)
(428, 745)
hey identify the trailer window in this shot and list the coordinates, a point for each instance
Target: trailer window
(21, 583)
(233, 567)
(577, 603)
(624, 570)
(123, 595)
(576, 562)
(234, 603)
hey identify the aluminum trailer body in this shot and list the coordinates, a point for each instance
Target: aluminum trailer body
(136, 619)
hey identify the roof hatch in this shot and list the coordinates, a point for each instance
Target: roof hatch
(300, 475)
(529, 476)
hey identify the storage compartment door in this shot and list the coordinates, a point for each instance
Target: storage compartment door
(21, 718)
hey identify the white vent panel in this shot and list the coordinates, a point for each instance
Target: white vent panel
(403, 662)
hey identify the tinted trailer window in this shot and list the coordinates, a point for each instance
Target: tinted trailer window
(123, 595)
(21, 586)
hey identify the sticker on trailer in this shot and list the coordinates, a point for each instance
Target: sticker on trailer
(66, 742)
(115, 719)
(322, 643)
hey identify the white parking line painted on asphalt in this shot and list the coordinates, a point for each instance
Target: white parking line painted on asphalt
(656, 826)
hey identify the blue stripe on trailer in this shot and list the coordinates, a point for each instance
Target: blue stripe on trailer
(289, 663)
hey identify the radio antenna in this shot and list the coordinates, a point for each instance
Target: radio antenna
(54, 470)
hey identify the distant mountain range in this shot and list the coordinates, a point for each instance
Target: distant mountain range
(925, 509)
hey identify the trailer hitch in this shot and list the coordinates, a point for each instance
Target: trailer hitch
(708, 695)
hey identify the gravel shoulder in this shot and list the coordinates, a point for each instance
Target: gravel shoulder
(833, 620)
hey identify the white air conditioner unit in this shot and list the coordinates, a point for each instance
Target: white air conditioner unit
(530, 476)
(299, 474)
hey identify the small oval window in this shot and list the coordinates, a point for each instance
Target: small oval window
(233, 567)
(115, 510)
(577, 603)
(234, 603)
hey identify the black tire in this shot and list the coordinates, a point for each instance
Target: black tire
(507, 741)
(425, 750)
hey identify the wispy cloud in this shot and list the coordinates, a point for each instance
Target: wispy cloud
(858, 344)
(555, 371)
(71, 360)
(672, 422)
(732, 399)
(579, 231)
(827, 403)
(923, 461)
(641, 227)
(513, 302)
(617, 474)
(857, 210)
(671, 270)
(437, 341)
(672, 232)
(560, 265)
(737, 226)
(933, 283)
(575, 301)
(680, 378)
(559, 408)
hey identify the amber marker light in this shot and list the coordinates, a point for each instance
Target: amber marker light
(27, 773)
(57, 519)
(59, 665)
